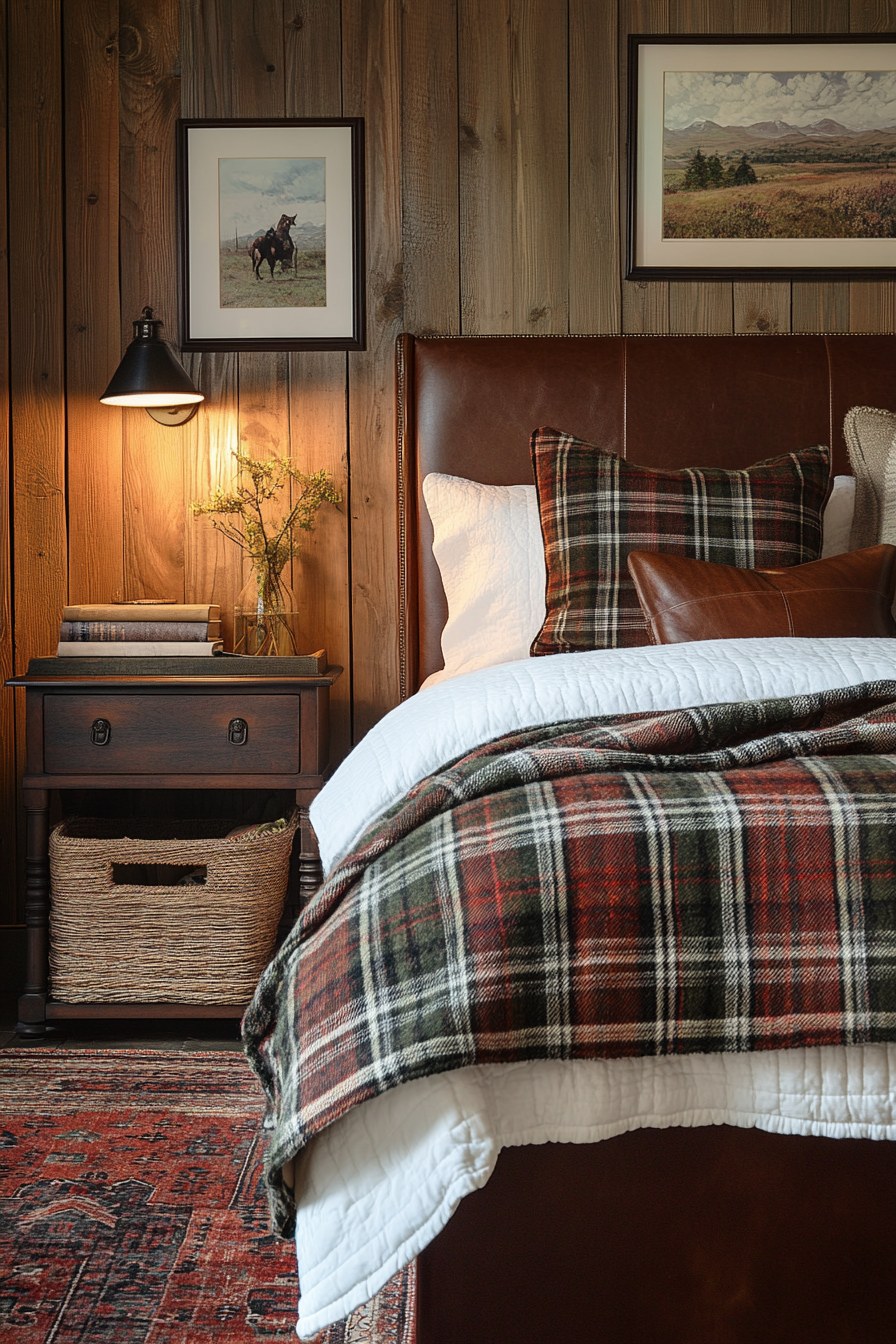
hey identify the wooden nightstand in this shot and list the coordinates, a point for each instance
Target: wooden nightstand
(217, 731)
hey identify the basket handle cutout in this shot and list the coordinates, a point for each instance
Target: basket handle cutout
(159, 875)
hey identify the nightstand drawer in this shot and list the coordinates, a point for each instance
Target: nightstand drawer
(162, 734)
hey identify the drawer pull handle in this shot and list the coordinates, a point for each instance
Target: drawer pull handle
(100, 732)
(238, 732)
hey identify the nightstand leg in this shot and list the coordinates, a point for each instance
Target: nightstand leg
(310, 873)
(33, 1002)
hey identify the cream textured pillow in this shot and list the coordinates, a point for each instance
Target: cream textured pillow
(869, 435)
(487, 544)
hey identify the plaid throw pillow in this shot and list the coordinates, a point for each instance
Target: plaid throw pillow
(595, 507)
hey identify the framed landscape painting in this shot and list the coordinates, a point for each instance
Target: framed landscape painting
(755, 156)
(271, 220)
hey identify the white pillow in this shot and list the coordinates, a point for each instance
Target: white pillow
(838, 512)
(488, 546)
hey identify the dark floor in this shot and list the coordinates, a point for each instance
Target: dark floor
(176, 1034)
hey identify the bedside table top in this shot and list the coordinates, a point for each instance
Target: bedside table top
(267, 673)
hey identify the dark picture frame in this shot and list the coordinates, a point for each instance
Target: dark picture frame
(271, 234)
(758, 156)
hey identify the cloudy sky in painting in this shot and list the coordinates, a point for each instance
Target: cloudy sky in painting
(859, 100)
(254, 193)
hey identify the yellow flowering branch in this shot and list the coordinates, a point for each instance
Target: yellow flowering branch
(239, 514)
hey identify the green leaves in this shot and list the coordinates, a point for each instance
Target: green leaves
(239, 514)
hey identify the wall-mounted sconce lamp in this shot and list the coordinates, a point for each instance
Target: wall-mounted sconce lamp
(150, 375)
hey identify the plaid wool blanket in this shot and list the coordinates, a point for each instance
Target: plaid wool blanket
(719, 878)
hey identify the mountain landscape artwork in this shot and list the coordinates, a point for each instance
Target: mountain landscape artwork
(776, 154)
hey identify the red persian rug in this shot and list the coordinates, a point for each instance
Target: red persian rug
(132, 1209)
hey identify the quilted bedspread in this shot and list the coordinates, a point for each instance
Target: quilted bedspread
(709, 879)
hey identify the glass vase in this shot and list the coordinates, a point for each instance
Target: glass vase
(266, 618)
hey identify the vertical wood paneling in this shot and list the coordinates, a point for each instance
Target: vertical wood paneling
(872, 305)
(152, 454)
(495, 166)
(429, 192)
(37, 326)
(93, 326)
(762, 16)
(258, 89)
(371, 83)
(645, 303)
(318, 427)
(762, 307)
(706, 306)
(36, 352)
(212, 567)
(701, 306)
(541, 166)
(486, 166)
(317, 387)
(9, 905)
(256, 71)
(212, 564)
(819, 16)
(872, 16)
(595, 258)
(263, 405)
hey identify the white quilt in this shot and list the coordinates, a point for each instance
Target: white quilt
(375, 1188)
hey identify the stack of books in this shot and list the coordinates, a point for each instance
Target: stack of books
(140, 630)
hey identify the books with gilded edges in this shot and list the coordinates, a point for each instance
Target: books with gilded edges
(139, 630)
(134, 648)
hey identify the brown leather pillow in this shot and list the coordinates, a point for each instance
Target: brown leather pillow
(684, 599)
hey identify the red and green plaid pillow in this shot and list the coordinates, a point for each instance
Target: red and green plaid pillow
(595, 507)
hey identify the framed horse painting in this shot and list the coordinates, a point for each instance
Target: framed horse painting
(271, 217)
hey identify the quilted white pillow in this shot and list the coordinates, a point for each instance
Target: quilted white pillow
(488, 546)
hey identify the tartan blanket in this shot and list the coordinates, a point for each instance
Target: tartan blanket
(716, 878)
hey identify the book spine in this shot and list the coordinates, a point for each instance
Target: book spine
(136, 611)
(124, 648)
(140, 630)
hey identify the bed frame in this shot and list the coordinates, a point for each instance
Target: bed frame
(678, 1236)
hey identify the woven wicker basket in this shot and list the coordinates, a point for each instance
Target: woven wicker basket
(118, 934)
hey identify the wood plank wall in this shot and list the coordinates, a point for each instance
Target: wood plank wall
(495, 137)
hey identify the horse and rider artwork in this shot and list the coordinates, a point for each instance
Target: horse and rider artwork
(274, 246)
(273, 264)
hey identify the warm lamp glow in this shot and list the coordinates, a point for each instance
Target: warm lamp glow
(151, 376)
(154, 399)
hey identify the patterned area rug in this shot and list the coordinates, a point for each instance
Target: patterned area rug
(132, 1210)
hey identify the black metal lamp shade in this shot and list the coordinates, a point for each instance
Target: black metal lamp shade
(150, 375)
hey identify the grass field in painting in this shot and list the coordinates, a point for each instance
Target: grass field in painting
(793, 200)
(306, 287)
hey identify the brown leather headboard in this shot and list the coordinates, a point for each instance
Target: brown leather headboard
(467, 406)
